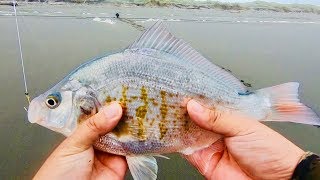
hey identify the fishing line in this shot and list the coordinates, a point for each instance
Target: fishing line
(21, 54)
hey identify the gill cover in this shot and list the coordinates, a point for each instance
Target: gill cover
(86, 103)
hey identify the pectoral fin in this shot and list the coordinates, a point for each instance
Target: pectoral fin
(143, 167)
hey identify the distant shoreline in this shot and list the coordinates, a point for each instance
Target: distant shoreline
(238, 7)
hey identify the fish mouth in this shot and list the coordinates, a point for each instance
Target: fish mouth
(33, 112)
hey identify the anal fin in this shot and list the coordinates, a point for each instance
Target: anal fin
(143, 167)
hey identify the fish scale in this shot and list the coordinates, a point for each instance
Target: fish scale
(153, 79)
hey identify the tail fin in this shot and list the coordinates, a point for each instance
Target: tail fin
(286, 106)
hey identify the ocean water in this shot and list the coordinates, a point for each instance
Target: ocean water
(261, 47)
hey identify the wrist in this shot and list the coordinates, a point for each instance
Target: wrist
(308, 167)
(286, 166)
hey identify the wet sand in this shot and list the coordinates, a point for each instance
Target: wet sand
(261, 48)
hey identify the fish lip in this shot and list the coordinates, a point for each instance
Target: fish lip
(33, 111)
(39, 121)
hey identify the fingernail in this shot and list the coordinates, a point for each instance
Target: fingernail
(111, 111)
(196, 107)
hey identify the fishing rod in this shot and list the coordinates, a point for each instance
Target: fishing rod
(26, 93)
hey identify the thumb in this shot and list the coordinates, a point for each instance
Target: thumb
(225, 123)
(99, 124)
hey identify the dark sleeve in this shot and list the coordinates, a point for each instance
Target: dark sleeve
(308, 168)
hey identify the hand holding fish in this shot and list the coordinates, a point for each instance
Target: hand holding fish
(252, 149)
(76, 158)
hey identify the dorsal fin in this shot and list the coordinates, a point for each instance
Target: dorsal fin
(159, 38)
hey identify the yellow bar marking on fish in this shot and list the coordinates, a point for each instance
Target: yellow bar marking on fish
(122, 127)
(144, 95)
(134, 98)
(175, 127)
(163, 129)
(177, 116)
(141, 113)
(123, 99)
(186, 121)
(108, 100)
(163, 106)
(163, 111)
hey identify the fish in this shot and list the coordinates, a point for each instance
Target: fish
(153, 79)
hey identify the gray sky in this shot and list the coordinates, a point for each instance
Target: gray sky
(315, 2)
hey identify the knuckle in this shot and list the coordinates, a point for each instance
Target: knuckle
(214, 117)
(92, 125)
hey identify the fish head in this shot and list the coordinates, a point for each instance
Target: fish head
(64, 106)
(52, 110)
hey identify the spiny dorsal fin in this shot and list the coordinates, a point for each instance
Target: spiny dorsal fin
(159, 38)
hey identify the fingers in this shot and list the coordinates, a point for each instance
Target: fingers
(115, 163)
(206, 160)
(101, 123)
(227, 124)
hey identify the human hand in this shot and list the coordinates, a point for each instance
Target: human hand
(75, 157)
(252, 150)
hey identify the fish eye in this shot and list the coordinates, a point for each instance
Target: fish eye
(53, 100)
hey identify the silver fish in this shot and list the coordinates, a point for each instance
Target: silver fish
(153, 79)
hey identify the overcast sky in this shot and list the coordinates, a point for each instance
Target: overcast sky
(315, 2)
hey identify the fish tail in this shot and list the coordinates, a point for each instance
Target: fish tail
(286, 106)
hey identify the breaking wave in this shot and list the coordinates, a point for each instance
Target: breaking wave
(106, 20)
